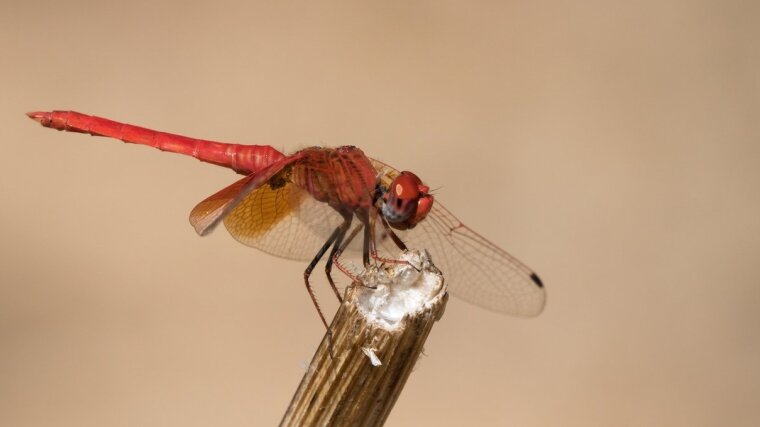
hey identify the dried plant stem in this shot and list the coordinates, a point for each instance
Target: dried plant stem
(348, 390)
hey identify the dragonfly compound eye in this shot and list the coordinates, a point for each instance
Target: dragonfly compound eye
(407, 201)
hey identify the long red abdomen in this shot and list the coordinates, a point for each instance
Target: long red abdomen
(243, 159)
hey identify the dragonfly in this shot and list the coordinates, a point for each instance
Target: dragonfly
(300, 206)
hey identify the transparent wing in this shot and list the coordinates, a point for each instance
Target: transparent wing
(475, 269)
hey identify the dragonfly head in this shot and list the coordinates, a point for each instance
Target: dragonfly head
(407, 201)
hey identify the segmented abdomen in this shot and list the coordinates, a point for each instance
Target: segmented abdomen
(243, 159)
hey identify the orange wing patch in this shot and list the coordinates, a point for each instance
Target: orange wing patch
(259, 212)
(205, 212)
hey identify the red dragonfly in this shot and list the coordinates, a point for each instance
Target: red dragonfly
(299, 206)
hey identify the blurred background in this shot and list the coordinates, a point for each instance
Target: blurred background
(612, 146)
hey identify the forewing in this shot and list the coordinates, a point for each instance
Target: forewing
(475, 269)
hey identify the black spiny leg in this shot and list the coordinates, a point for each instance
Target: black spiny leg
(337, 253)
(393, 235)
(336, 250)
(339, 231)
(367, 239)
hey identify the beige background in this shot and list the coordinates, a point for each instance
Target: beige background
(614, 147)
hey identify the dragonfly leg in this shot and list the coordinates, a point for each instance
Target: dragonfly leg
(310, 268)
(367, 242)
(393, 235)
(335, 248)
(373, 248)
(336, 255)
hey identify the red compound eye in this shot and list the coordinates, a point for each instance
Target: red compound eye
(407, 201)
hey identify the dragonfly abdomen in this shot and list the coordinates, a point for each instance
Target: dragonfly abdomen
(243, 159)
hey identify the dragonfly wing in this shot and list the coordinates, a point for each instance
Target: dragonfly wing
(282, 220)
(270, 213)
(208, 213)
(475, 269)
